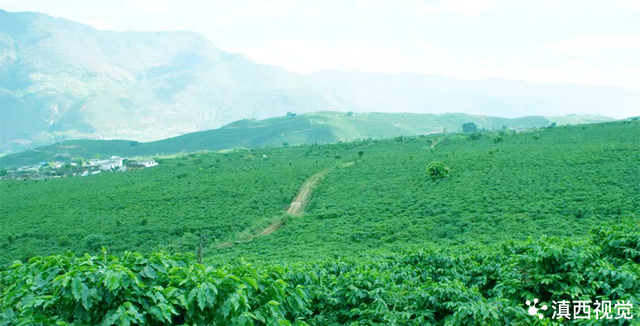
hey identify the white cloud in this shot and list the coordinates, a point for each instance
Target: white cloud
(596, 42)
(302, 56)
(253, 11)
(478, 7)
(629, 78)
(147, 7)
(422, 57)
(424, 45)
(98, 23)
(629, 4)
(463, 7)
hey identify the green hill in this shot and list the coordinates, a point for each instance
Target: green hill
(549, 213)
(310, 128)
(547, 181)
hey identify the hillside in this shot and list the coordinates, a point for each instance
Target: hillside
(310, 128)
(530, 184)
(547, 214)
(62, 80)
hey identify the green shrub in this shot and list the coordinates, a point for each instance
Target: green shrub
(475, 136)
(94, 242)
(469, 127)
(437, 170)
(64, 240)
(134, 290)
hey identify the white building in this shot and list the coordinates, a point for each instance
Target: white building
(148, 164)
(113, 163)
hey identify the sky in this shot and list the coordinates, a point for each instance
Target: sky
(586, 42)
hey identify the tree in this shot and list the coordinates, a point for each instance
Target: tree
(469, 127)
(437, 170)
(475, 136)
(350, 114)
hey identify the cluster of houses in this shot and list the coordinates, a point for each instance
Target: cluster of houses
(46, 170)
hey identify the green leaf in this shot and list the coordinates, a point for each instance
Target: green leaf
(86, 303)
(112, 280)
(202, 300)
(149, 272)
(76, 288)
(251, 282)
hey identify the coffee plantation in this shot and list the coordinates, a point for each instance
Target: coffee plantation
(548, 214)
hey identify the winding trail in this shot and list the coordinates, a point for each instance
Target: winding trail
(306, 190)
(296, 208)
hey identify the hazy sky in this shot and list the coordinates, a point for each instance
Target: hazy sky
(590, 42)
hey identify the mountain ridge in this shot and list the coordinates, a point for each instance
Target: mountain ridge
(309, 128)
(62, 80)
(73, 81)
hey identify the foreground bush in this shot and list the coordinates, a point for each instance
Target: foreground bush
(459, 287)
(134, 290)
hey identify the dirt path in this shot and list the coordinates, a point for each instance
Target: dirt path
(306, 190)
(296, 208)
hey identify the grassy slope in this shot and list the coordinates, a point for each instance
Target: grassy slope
(562, 183)
(319, 127)
(557, 182)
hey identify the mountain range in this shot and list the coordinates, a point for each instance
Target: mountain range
(62, 80)
(310, 128)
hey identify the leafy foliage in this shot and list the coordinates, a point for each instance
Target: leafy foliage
(137, 290)
(553, 218)
(469, 127)
(437, 170)
(462, 287)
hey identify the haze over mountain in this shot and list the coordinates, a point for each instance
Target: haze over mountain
(64, 80)
(60, 79)
(309, 128)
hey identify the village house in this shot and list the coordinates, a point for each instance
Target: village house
(47, 170)
(141, 165)
(113, 163)
(149, 163)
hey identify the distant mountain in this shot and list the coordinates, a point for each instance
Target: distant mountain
(63, 80)
(60, 79)
(318, 127)
(494, 97)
